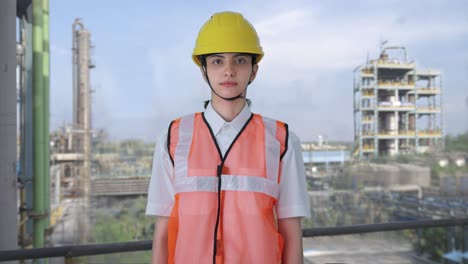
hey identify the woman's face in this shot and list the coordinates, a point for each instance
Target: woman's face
(230, 73)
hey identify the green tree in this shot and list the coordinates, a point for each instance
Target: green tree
(432, 242)
(457, 143)
(126, 223)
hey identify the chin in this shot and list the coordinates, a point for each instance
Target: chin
(229, 94)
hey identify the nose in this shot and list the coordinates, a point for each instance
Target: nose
(229, 69)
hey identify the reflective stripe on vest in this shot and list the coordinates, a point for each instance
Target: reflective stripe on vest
(229, 183)
(250, 180)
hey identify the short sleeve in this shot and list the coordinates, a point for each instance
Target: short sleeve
(293, 200)
(161, 188)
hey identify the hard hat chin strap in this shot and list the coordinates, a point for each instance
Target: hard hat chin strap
(240, 96)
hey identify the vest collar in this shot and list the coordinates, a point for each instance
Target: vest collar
(216, 122)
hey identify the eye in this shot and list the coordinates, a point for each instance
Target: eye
(216, 61)
(241, 60)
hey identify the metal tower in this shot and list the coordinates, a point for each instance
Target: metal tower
(82, 114)
(82, 101)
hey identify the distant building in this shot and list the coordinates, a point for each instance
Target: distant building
(397, 107)
(321, 156)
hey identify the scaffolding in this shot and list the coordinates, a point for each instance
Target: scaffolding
(397, 107)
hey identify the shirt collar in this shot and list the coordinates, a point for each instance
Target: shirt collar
(216, 122)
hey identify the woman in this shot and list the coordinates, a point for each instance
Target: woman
(228, 186)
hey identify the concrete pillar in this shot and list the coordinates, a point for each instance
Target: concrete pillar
(8, 201)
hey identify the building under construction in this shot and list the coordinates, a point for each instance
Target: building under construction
(397, 106)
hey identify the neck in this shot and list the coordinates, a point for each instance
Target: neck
(228, 110)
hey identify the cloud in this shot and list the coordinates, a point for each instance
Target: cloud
(299, 39)
(282, 23)
(309, 58)
(305, 77)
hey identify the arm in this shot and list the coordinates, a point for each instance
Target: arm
(291, 231)
(160, 241)
(293, 203)
(160, 199)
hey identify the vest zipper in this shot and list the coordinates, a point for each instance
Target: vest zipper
(215, 239)
(219, 172)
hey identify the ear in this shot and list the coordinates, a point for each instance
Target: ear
(254, 73)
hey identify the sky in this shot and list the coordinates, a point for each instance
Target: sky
(144, 75)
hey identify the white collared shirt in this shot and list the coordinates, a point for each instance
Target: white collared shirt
(225, 132)
(293, 199)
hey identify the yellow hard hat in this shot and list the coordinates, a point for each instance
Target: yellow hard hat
(227, 32)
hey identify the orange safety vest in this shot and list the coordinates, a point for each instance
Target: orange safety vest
(228, 199)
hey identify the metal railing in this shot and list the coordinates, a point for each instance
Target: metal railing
(99, 249)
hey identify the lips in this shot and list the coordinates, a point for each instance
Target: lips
(228, 83)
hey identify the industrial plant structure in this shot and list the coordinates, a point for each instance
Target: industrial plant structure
(397, 106)
(71, 149)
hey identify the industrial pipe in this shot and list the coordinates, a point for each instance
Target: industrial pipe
(39, 211)
(46, 98)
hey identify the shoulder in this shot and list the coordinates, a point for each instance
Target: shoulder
(161, 138)
(266, 118)
(185, 117)
(276, 128)
(294, 139)
(269, 120)
(293, 145)
(175, 124)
